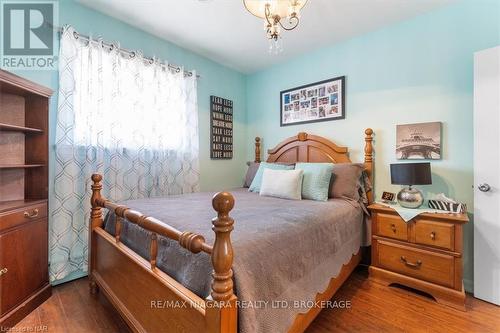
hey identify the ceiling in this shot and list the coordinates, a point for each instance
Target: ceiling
(222, 30)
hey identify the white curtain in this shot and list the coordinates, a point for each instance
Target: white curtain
(134, 122)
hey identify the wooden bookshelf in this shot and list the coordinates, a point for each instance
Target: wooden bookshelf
(24, 183)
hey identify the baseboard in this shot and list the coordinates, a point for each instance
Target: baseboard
(469, 286)
(22, 310)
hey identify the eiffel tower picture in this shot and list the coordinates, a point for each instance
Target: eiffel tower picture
(418, 141)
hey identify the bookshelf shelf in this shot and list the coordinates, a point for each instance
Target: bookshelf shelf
(15, 128)
(20, 166)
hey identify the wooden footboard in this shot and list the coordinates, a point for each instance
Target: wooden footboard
(148, 299)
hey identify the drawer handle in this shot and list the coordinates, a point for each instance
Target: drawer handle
(410, 264)
(32, 215)
(433, 235)
(393, 228)
(3, 271)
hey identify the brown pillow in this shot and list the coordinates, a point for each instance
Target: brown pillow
(252, 170)
(345, 180)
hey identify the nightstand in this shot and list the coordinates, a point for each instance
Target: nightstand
(424, 253)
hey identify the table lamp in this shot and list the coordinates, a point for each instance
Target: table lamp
(411, 174)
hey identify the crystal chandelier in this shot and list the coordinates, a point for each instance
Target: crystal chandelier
(274, 12)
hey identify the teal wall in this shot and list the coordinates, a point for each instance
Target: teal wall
(418, 70)
(216, 79)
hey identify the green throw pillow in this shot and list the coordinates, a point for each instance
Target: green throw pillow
(316, 182)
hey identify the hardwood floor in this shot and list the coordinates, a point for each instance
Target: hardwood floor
(374, 308)
(72, 309)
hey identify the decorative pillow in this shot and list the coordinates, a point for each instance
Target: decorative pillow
(316, 181)
(286, 184)
(345, 183)
(252, 170)
(257, 180)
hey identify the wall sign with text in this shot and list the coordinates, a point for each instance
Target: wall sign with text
(319, 101)
(221, 128)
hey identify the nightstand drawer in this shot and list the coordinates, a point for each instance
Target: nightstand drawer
(438, 234)
(391, 226)
(425, 265)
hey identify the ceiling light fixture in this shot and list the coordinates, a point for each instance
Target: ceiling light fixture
(274, 12)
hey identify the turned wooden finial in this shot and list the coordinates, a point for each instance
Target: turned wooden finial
(368, 145)
(369, 158)
(96, 178)
(95, 221)
(222, 254)
(96, 189)
(96, 214)
(257, 150)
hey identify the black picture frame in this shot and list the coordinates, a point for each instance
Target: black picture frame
(310, 118)
(221, 128)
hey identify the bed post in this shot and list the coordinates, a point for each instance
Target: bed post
(257, 150)
(369, 159)
(222, 260)
(95, 221)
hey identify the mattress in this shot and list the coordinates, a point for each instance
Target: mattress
(285, 251)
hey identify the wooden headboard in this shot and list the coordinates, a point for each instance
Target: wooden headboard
(312, 148)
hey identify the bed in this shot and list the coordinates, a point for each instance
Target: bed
(161, 279)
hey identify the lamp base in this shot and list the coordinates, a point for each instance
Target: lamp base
(410, 198)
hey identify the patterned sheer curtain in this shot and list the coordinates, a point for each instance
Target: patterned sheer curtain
(134, 122)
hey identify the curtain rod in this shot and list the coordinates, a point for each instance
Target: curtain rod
(130, 53)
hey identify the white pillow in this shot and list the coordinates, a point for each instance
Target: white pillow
(286, 184)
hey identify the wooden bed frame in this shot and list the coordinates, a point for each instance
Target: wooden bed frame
(149, 300)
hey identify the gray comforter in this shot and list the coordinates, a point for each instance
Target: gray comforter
(284, 250)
